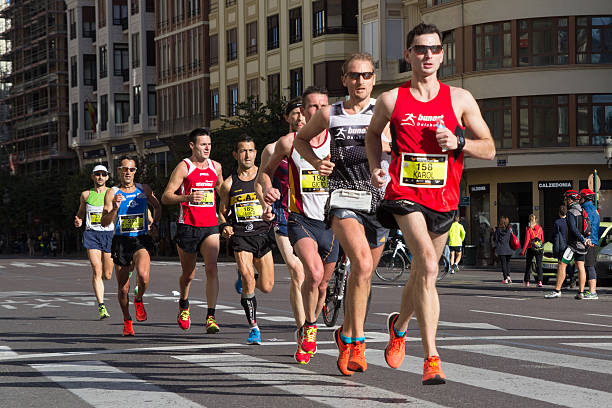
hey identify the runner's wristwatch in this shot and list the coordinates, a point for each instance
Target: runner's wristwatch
(460, 141)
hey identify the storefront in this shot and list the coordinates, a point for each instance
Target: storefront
(480, 221)
(515, 201)
(551, 198)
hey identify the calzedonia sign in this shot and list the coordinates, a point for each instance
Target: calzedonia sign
(479, 188)
(543, 185)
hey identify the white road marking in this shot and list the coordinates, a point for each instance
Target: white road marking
(598, 315)
(5, 351)
(542, 318)
(467, 325)
(328, 390)
(72, 263)
(51, 264)
(518, 385)
(9, 307)
(538, 356)
(500, 297)
(276, 318)
(601, 346)
(88, 380)
(21, 265)
(2, 266)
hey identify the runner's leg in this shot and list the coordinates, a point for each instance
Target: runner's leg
(142, 262)
(107, 266)
(296, 272)
(210, 251)
(123, 290)
(95, 258)
(188, 269)
(265, 268)
(307, 251)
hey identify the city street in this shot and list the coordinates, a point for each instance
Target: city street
(501, 346)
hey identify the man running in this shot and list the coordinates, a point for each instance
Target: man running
(316, 246)
(250, 236)
(279, 212)
(96, 238)
(423, 195)
(127, 206)
(196, 179)
(353, 202)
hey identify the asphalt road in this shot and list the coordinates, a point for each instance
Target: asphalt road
(500, 346)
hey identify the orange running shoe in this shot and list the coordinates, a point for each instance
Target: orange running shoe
(141, 313)
(301, 357)
(357, 361)
(344, 353)
(432, 372)
(309, 343)
(396, 348)
(183, 319)
(128, 330)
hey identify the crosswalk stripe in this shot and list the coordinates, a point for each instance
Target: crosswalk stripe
(521, 386)
(6, 351)
(537, 356)
(21, 265)
(599, 315)
(2, 266)
(276, 318)
(333, 391)
(53, 265)
(601, 346)
(71, 263)
(87, 379)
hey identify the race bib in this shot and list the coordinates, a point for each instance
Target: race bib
(423, 170)
(248, 211)
(311, 182)
(208, 200)
(95, 218)
(131, 223)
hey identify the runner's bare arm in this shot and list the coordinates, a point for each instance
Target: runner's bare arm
(262, 183)
(282, 148)
(480, 145)
(153, 202)
(169, 197)
(227, 230)
(317, 124)
(111, 207)
(219, 171)
(378, 124)
(78, 219)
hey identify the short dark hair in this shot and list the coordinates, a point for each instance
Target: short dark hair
(128, 157)
(421, 29)
(562, 211)
(193, 135)
(292, 104)
(358, 56)
(243, 138)
(313, 90)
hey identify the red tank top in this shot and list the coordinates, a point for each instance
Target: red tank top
(420, 171)
(203, 214)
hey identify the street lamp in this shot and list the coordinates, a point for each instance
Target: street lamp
(608, 151)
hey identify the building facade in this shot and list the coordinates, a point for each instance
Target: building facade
(113, 104)
(35, 65)
(542, 75)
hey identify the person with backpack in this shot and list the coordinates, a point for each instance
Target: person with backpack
(586, 200)
(578, 241)
(559, 242)
(501, 239)
(534, 246)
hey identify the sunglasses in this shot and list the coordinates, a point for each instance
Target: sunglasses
(100, 174)
(128, 169)
(422, 49)
(356, 75)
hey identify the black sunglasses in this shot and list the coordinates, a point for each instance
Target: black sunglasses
(100, 174)
(356, 75)
(422, 49)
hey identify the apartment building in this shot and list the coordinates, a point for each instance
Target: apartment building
(111, 54)
(35, 86)
(542, 75)
(275, 49)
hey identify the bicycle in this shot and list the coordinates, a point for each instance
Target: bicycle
(336, 288)
(395, 261)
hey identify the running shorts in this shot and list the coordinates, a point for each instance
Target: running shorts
(190, 238)
(300, 227)
(376, 234)
(437, 222)
(123, 248)
(455, 248)
(569, 254)
(100, 240)
(259, 245)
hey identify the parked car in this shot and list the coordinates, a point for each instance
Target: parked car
(603, 264)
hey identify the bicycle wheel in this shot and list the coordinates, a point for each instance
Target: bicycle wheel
(331, 307)
(390, 267)
(443, 268)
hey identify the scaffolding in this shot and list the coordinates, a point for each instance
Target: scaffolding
(34, 85)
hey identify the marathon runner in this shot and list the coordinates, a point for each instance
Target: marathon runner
(126, 205)
(351, 210)
(279, 212)
(96, 238)
(250, 236)
(427, 119)
(195, 179)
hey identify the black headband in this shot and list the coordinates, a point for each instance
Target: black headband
(292, 106)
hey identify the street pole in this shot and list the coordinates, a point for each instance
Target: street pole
(595, 187)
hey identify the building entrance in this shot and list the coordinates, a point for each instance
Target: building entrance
(551, 197)
(515, 201)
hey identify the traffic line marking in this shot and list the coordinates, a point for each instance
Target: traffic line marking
(541, 318)
(500, 297)
(598, 315)
(602, 346)
(5, 351)
(333, 391)
(88, 380)
(72, 263)
(21, 265)
(51, 264)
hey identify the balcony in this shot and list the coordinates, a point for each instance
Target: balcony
(91, 135)
(152, 123)
(121, 129)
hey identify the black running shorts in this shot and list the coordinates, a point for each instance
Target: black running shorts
(259, 245)
(437, 222)
(189, 238)
(123, 248)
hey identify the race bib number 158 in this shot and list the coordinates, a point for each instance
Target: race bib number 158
(423, 170)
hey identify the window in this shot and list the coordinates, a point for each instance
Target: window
(273, 32)
(251, 38)
(296, 82)
(431, 3)
(103, 61)
(295, 25)
(497, 112)
(103, 112)
(122, 107)
(150, 6)
(594, 40)
(328, 75)
(394, 28)
(273, 87)
(543, 41)
(91, 117)
(214, 49)
(75, 119)
(370, 41)
(334, 17)
(72, 22)
(89, 22)
(232, 45)
(252, 88)
(492, 45)
(89, 70)
(73, 72)
(120, 61)
(229, 3)
(232, 100)
(213, 5)
(543, 121)
(193, 7)
(593, 119)
(150, 48)
(101, 13)
(136, 101)
(120, 13)
(214, 104)
(448, 67)
(135, 50)
(151, 100)
(134, 6)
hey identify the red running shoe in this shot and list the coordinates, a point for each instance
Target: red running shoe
(309, 343)
(183, 319)
(432, 372)
(357, 361)
(396, 347)
(128, 330)
(344, 353)
(141, 313)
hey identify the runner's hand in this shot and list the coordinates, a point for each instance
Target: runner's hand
(268, 214)
(378, 178)
(77, 221)
(272, 195)
(446, 139)
(228, 231)
(117, 199)
(324, 166)
(196, 197)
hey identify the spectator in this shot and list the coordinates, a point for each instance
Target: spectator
(456, 234)
(586, 200)
(501, 239)
(534, 238)
(559, 242)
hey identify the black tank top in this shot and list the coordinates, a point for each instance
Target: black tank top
(245, 209)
